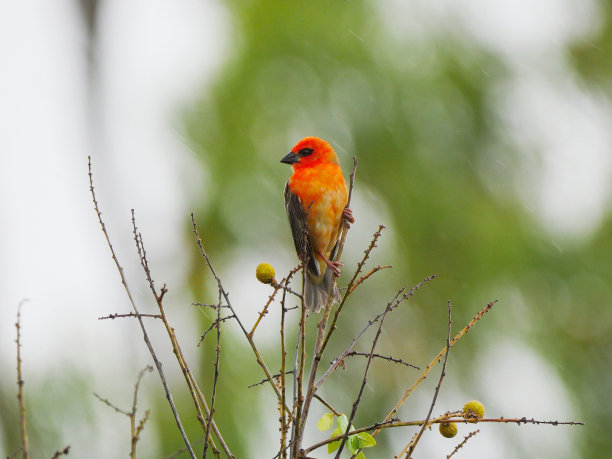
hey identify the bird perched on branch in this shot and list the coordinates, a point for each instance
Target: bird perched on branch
(316, 200)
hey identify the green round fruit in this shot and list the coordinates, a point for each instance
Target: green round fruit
(448, 429)
(474, 410)
(265, 273)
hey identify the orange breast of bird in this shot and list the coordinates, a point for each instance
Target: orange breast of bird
(322, 185)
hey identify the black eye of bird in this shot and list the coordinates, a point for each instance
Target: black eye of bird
(305, 152)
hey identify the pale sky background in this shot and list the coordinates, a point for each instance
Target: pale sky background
(154, 58)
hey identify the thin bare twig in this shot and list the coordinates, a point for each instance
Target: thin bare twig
(61, 452)
(345, 224)
(158, 364)
(286, 287)
(225, 295)
(178, 452)
(388, 309)
(367, 276)
(206, 305)
(352, 285)
(110, 404)
(135, 430)
(215, 323)
(298, 374)
(397, 300)
(216, 375)
(410, 447)
(378, 356)
(436, 359)
(129, 314)
(319, 398)
(141, 424)
(265, 380)
(460, 445)
(197, 396)
(284, 427)
(15, 453)
(22, 410)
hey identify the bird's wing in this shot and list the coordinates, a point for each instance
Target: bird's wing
(297, 220)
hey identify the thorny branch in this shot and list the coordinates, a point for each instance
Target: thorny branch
(367, 276)
(110, 404)
(206, 305)
(327, 405)
(364, 379)
(378, 356)
(397, 300)
(214, 325)
(460, 445)
(24, 447)
(436, 359)
(265, 380)
(390, 306)
(299, 364)
(225, 295)
(129, 314)
(352, 285)
(217, 325)
(158, 364)
(135, 430)
(414, 442)
(284, 424)
(61, 452)
(22, 411)
(196, 393)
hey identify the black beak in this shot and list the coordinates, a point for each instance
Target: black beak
(290, 158)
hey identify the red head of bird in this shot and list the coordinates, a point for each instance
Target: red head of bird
(310, 151)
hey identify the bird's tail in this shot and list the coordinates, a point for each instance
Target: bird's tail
(316, 291)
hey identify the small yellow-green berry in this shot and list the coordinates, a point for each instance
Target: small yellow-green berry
(473, 410)
(265, 273)
(448, 429)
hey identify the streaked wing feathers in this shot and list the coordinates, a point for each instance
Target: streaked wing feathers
(297, 220)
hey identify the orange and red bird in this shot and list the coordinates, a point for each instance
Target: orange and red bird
(316, 199)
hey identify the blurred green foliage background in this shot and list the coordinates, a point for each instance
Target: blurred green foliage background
(439, 169)
(432, 151)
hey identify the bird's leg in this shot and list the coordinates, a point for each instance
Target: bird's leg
(347, 214)
(334, 266)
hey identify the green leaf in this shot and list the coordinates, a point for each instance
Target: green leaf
(366, 440)
(333, 446)
(360, 455)
(326, 422)
(342, 423)
(353, 444)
